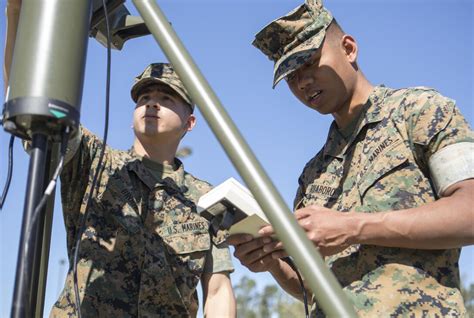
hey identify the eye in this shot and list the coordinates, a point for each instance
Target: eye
(144, 98)
(167, 97)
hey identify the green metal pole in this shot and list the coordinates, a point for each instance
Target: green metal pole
(321, 281)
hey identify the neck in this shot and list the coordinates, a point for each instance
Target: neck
(359, 97)
(163, 153)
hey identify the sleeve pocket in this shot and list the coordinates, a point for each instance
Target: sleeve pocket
(188, 253)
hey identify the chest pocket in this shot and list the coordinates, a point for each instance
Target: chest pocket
(118, 203)
(381, 174)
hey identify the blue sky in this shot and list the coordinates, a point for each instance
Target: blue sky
(401, 43)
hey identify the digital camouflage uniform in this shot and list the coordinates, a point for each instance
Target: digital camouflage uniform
(380, 163)
(145, 247)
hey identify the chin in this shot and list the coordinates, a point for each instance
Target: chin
(318, 109)
(151, 134)
(146, 133)
(323, 111)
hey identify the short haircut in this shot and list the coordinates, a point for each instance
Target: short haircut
(334, 32)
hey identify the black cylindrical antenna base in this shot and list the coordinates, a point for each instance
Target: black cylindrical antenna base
(24, 116)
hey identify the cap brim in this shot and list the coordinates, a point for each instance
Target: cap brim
(295, 58)
(138, 86)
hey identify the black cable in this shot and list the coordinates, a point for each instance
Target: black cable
(52, 184)
(9, 173)
(97, 172)
(49, 189)
(290, 262)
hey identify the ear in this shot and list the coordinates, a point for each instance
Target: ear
(349, 45)
(190, 122)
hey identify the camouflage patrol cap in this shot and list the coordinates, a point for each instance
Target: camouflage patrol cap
(290, 40)
(160, 73)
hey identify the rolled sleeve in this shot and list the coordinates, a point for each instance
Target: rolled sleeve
(219, 260)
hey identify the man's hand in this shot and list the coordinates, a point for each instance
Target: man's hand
(330, 231)
(249, 251)
(429, 226)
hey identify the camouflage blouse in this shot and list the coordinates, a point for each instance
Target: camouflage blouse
(382, 166)
(145, 247)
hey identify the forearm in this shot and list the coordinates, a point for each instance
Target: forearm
(219, 300)
(287, 279)
(445, 223)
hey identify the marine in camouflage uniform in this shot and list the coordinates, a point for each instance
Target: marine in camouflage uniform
(145, 248)
(381, 164)
(381, 159)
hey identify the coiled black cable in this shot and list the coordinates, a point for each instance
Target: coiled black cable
(97, 172)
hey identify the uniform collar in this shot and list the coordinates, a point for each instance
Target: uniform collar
(372, 112)
(136, 165)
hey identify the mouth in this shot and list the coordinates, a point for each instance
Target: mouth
(151, 116)
(315, 96)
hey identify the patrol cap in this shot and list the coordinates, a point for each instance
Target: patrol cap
(290, 40)
(160, 73)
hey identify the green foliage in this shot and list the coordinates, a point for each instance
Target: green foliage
(245, 295)
(271, 301)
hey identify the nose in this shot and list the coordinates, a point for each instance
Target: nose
(303, 78)
(153, 104)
